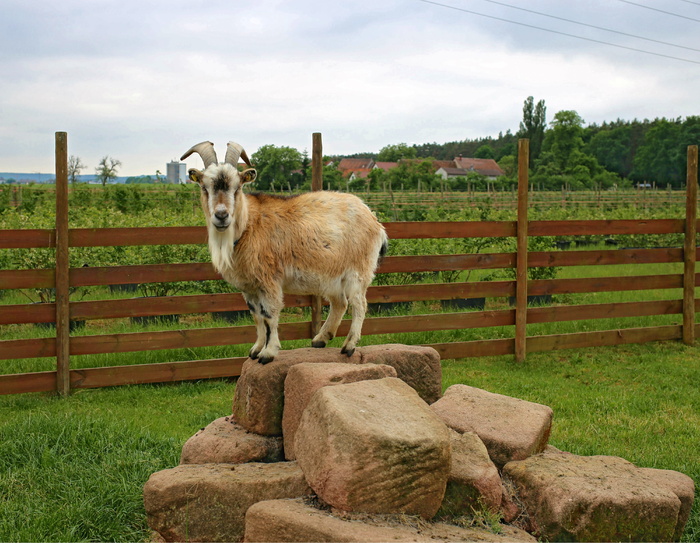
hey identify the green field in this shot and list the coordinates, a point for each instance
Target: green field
(73, 469)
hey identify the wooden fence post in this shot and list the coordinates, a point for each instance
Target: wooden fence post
(62, 268)
(691, 214)
(316, 184)
(521, 263)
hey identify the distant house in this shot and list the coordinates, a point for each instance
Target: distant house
(360, 173)
(448, 173)
(386, 166)
(354, 168)
(487, 167)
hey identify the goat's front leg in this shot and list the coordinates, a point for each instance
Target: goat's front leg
(266, 312)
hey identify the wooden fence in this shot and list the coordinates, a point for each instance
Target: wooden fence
(62, 345)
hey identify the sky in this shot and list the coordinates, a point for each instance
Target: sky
(143, 81)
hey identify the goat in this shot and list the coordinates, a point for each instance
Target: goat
(323, 243)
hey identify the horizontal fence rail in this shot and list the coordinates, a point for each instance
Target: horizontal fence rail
(513, 319)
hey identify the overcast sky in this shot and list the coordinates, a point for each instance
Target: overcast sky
(143, 81)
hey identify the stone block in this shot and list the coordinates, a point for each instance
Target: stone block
(297, 521)
(208, 502)
(305, 379)
(374, 447)
(600, 498)
(511, 429)
(474, 482)
(224, 441)
(416, 365)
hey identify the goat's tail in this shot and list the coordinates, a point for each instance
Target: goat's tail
(383, 249)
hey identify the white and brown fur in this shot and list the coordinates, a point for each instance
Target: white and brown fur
(319, 243)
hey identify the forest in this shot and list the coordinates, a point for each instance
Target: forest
(564, 153)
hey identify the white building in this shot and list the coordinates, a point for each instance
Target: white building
(176, 172)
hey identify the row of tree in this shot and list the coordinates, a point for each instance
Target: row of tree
(563, 153)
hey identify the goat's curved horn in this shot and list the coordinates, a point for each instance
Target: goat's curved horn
(233, 152)
(205, 150)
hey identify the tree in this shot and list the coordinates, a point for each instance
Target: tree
(75, 165)
(563, 161)
(107, 170)
(533, 126)
(661, 157)
(485, 151)
(275, 166)
(394, 153)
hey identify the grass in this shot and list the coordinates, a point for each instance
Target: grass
(73, 469)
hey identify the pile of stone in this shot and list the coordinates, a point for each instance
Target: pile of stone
(322, 447)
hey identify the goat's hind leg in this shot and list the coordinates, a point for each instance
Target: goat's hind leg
(338, 306)
(359, 309)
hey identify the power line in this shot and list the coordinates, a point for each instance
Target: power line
(690, 2)
(558, 32)
(660, 10)
(592, 26)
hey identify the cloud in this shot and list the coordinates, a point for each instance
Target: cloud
(144, 81)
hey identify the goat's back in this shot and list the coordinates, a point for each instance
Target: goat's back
(325, 231)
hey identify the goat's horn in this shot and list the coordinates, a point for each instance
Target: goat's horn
(233, 152)
(205, 150)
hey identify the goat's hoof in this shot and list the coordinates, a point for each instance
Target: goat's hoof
(266, 359)
(318, 344)
(348, 352)
(253, 355)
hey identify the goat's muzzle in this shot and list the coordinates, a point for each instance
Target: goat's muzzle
(221, 220)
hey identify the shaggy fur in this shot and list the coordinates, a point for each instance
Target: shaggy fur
(320, 243)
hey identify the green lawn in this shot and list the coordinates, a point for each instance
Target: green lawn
(73, 469)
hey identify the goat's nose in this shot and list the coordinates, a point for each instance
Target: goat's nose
(221, 215)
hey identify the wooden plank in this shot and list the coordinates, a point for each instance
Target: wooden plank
(474, 349)
(167, 372)
(605, 227)
(604, 311)
(462, 229)
(179, 339)
(21, 383)
(440, 291)
(62, 268)
(316, 185)
(604, 338)
(393, 264)
(522, 252)
(690, 246)
(607, 284)
(28, 348)
(137, 236)
(27, 279)
(605, 257)
(431, 323)
(27, 239)
(27, 313)
(151, 273)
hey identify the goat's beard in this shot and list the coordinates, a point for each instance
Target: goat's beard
(221, 247)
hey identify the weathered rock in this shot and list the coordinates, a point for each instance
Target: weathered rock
(305, 379)
(258, 401)
(374, 447)
(600, 498)
(511, 429)
(207, 502)
(224, 441)
(416, 365)
(474, 481)
(294, 520)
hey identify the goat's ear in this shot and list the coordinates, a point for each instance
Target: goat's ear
(249, 175)
(195, 176)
